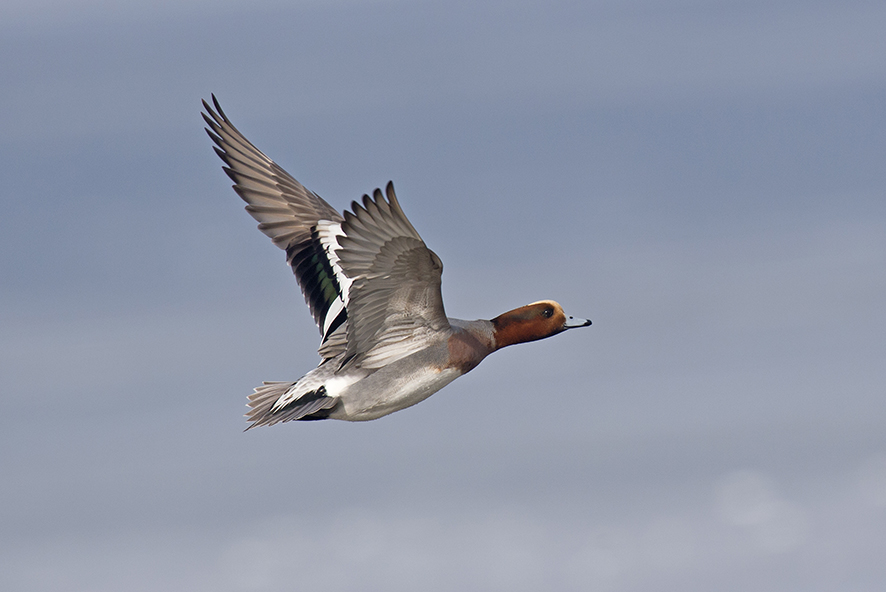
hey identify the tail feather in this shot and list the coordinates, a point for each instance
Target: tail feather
(264, 411)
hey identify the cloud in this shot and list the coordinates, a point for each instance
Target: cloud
(749, 500)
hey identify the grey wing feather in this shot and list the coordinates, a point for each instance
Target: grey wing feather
(287, 212)
(285, 209)
(335, 344)
(395, 297)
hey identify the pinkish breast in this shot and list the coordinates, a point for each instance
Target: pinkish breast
(465, 351)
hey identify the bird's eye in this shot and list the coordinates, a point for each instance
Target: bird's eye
(548, 312)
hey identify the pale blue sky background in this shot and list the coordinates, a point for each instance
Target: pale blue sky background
(705, 180)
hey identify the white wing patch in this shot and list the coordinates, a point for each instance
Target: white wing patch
(328, 232)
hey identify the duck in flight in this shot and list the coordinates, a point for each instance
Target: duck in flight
(373, 288)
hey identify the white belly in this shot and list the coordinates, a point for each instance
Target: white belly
(388, 390)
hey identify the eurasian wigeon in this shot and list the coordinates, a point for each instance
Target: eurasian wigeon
(373, 288)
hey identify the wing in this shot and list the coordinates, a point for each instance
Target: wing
(296, 220)
(395, 297)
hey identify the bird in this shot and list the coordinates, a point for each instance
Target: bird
(373, 289)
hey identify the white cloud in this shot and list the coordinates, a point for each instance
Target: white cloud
(749, 499)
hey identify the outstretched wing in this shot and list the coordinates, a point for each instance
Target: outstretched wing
(395, 300)
(296, 220)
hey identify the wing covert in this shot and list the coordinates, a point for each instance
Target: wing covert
(395, 296)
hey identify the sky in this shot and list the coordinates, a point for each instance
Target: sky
(702, 179)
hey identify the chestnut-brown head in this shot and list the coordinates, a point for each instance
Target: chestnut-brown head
(531, 322)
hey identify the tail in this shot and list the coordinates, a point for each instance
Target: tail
(276, 402)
